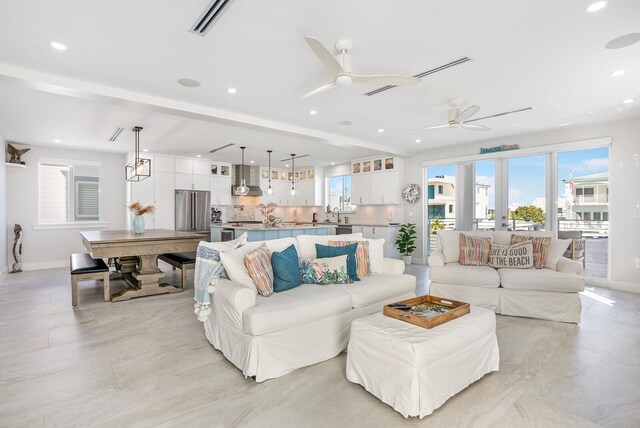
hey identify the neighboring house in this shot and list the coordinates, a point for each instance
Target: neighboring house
(442, 195)
(587, 197)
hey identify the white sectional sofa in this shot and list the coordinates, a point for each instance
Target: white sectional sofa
(267, 337)
(550, 293)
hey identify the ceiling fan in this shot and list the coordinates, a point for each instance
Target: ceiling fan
(341, 67)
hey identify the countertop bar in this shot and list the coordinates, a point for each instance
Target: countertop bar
(253, 226)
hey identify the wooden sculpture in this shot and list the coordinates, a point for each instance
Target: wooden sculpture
(16, 154)
(17, 249)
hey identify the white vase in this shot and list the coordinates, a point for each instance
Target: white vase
(407, 260)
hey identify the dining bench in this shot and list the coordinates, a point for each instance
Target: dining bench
(83, 267)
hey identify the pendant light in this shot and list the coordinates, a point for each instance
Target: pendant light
(293, 174)
(270, 189)
(242, 189)
(139, 168)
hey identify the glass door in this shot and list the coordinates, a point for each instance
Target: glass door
(526, 194)
(441, 200)
(484, 195)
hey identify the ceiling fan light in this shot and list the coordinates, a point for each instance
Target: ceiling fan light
(343, 80)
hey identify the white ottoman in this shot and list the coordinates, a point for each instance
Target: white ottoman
(415, 370)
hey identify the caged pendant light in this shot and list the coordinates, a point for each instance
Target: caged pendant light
(242, 189)
(139, 168)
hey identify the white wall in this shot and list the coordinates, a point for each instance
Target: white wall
(3, 214)
(624, 197)
(43, 249)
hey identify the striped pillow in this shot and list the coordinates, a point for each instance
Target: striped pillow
(362, 255)
(540, 247)
(474, 251)
(258, 264)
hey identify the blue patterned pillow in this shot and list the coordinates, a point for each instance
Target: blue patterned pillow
(330, 270)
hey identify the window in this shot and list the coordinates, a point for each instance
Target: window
(596, 216)
(450, 209)
(339, 193)
(68, 192)
(586, 216)
(431, 192)
(436, 211)
(440, 189)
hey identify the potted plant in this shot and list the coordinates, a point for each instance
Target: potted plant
(406, 241)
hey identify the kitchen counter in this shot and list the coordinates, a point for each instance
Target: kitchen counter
(250, 226)
(260, 232)
(356, 224)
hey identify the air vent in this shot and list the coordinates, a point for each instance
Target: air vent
(116, 134)
(499, 114)
(423, 74)
(205, 21)
(221, 147)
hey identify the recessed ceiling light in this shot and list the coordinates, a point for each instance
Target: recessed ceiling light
(380, 130)
(623, 41)
(590, 121)
(232, 90)
(617, 73)
(313, 112)
(59, 46)
(596, 6)
(345, 123)
(57, 141)
(251, 162)
(286, 166)
(189, 83)
(628, 101)
(559, 105)
(333, 163)
(418, 140)
(565, 124)
(145, 150)
(592, 112)
(198, 156)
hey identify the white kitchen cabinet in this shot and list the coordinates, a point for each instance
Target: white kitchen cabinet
(183, 181)
(389, 233)
(162, 163)
(214, 188)
(201, 166)
(224, 197)
(200, 182)
(164, 200)
(184, 166)
(376, 181)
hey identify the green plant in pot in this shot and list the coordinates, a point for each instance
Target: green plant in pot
(406, 241)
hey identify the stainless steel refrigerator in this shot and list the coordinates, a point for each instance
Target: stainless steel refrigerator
(193, 210)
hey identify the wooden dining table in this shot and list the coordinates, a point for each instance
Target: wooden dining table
(143, 249)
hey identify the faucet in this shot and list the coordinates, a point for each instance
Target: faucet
(337, 210)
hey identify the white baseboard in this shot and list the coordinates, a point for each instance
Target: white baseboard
(45, 265)
(632, 287)
(3, 274)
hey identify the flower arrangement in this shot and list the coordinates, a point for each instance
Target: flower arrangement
(267, 209)
(138, 209)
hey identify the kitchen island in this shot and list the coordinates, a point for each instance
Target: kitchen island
(260, 232)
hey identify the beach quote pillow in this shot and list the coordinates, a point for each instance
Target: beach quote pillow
(516, 256)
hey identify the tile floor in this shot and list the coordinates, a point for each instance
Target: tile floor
(146, 362)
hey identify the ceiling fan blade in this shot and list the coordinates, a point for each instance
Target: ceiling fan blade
(318, 90)
(324, 55)
(467, 113)
(500, 114)
(474, 127)
(382, 79)
(437, 127)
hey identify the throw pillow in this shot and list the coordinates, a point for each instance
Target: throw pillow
(331, 270)
(348, 250)
(285, 269)
(363, 260)
(258, 263)
(474, 251)
(540, 247)
(516, 256)
(376, 255)
(306, 244)
(557, 248)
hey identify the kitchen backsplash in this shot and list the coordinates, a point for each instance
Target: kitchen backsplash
(246, 208)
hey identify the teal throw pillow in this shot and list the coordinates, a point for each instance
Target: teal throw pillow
(324, 251)
(285, 269)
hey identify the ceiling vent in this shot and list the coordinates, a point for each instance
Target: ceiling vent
(206, 19)
(423, 74)
(116, 134)
(221, 147)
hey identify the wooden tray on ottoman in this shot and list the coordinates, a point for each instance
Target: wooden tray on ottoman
(457, 310)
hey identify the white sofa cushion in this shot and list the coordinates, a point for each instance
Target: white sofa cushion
(376, 255)
(448, 241)
(541, 280)
(377, 288)
(455, 273)
(233, 261)
(555, 251)
(306, 244)
(293, 308)
(503, 237)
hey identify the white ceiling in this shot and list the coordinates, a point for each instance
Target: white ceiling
(124, 59)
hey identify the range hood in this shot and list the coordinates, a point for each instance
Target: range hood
(251, 178)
